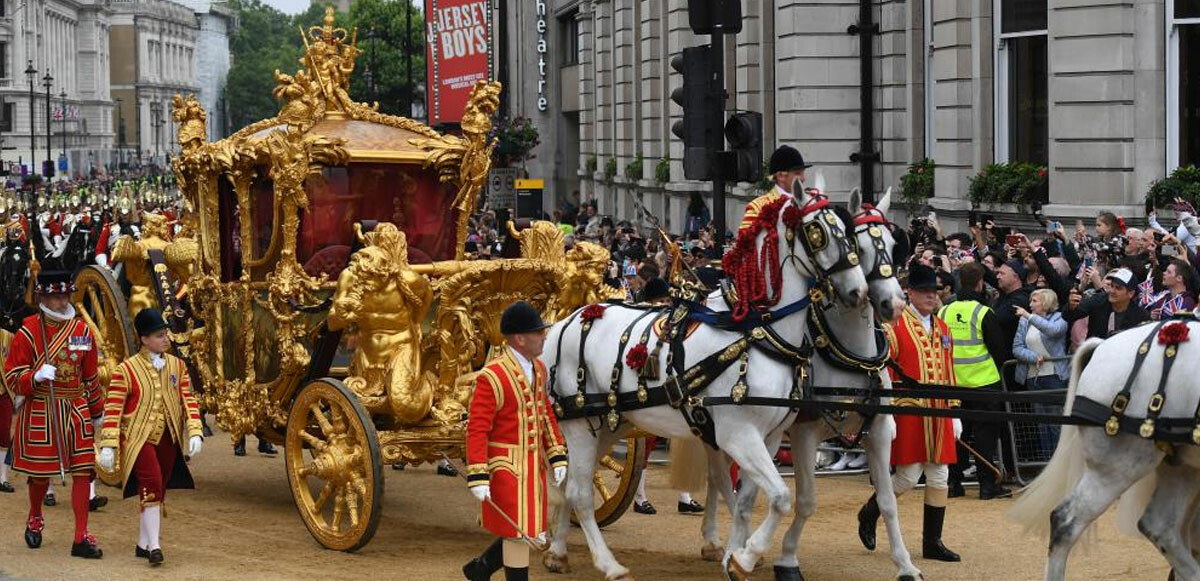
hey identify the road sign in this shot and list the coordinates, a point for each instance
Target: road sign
(502, 189)
(529, 198)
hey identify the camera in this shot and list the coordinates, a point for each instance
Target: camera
(922, 230)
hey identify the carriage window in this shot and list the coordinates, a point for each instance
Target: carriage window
(231, 232)
(262, 199)
(404, 195)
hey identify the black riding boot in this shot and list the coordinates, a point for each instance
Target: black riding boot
(516, 574)
(482, 567)
(868, 517)
(931, 542)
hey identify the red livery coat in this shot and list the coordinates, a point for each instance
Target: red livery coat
(926, 358)
(143, 406)
(511, 435)
(78, 398)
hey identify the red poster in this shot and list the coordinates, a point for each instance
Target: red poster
(458, 37)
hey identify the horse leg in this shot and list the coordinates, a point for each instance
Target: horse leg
(804, 437)
(754, 459)
(879, 452)
(1169, 510)
(1112, 465)
(720, 487)
(585, 450)
(555, 559)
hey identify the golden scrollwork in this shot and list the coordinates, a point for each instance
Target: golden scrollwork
(192, 121)
(386, 302)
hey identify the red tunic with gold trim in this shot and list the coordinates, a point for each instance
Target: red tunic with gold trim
(511, 435)
(145, 405)
(72, 351)
(927, 359)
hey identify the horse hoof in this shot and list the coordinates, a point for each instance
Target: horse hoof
(917, 577)
(788, 574)
(626, 576)
(556, 564)
(712, 552)
(734, 570)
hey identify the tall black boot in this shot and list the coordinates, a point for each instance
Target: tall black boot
(516, 574)
(482, 567)
(931, 543)
(868, 517)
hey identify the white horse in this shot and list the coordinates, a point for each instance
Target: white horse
(854, 331)
(745, 433)
(1090, 469)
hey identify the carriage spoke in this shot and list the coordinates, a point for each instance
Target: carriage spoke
(352, 505)
(601, 487)
(314, 442)
(611, 463)
(323, 497)
(326, 427)
(339, 507)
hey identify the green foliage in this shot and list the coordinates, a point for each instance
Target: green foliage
(916, 186)
(768, 179)
(1016, 182)
(633, 171)
(662, 171)
(1184, 183)
(515, 140)
(267, 40)
(610, 169)
(590, 166)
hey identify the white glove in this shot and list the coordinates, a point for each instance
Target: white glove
(107, 458)
(541, 538)
(194, 446)
(560, 475)
(96, 424)
(102, 260)
(481, 492)
(18, 401)
(957, 427)
(46, 373)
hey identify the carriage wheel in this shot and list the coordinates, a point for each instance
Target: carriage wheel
(333, 466)
(100, 302)
(616, 480)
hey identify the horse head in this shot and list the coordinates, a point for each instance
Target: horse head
(830, 257)
(873, 234)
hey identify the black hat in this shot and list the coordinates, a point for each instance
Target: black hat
(921, 277)
(1018, 267)
(656, 288)
(787, 158)
(148, 321)
(521, 317)
(54, 282)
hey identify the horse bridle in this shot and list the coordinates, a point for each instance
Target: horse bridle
(815, 235)
(873, 222)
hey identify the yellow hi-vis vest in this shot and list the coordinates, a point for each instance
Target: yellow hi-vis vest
(973, 365)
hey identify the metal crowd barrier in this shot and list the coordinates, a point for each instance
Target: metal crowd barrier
(1029, 445)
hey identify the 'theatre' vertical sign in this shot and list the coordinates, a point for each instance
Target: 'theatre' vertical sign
(458, 37)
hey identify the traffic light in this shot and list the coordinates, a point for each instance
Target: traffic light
(743, 161)
(698, 129)
(704, 15)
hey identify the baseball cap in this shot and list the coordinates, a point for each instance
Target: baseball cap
(1122, 276)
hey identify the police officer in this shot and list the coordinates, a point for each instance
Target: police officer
(979, 342)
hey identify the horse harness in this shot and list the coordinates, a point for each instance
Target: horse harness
(1165, 431)
(683, 384)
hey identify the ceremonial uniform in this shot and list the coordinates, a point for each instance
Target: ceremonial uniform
(148, 415)
(55, 353)
(924, 357)
(70, 348)
(511, 436)
(921, 351)
(511, 433)
(784, 159)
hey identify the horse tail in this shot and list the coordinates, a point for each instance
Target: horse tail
(1065, 469)
(688, 465)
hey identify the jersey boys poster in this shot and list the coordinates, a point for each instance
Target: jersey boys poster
(458, 41)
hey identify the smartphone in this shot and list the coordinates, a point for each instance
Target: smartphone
(1053, 226)
(1170, 251)
(1013, 240)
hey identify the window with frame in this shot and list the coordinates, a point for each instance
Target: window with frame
(568, 43)
(1022, 83)
(6, 116)
(1183, 83)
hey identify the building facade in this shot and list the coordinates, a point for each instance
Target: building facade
(1098, 93)
(216, 23)
(153, 44)
(68, 40)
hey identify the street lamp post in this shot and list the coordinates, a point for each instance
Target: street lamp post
(157, 122)
(63, 96)
(120, 136)
(32, 74)
(48, 81)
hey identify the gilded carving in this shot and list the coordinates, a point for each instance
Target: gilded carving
(381, 297)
